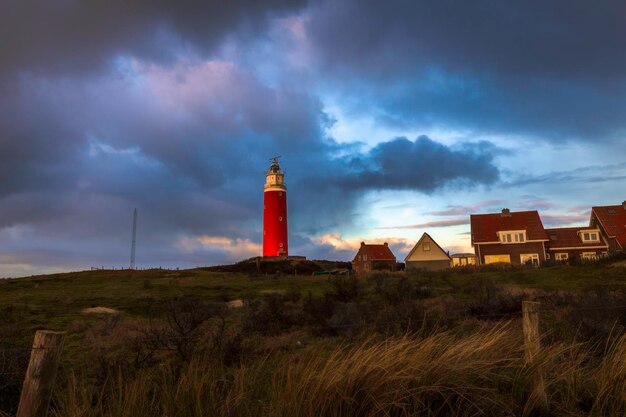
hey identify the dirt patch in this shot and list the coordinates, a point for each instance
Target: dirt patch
(235, 304)
(273, 292)
(100, 310)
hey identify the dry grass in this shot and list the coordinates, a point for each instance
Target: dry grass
(439, 375)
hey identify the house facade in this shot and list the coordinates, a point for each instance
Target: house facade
(463, 259)
(511, 237)
(611, 222)
(374, 257)
(427, 254)
(582, 243)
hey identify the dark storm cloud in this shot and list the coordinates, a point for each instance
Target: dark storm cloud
(76, 35)
(326, 191)
(188, 147)
(561, 38)
(422, 165)
(553, 69)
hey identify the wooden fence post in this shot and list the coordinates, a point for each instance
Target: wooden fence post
(42, 370)
(532, 346)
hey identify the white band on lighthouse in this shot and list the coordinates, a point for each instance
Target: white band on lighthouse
(275, 189)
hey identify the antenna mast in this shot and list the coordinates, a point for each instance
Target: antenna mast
(132, 249)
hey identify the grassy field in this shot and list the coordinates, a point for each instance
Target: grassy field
(291, 332)
(53, 301)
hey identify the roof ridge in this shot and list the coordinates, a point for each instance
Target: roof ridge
(569, 228)
(499, 213)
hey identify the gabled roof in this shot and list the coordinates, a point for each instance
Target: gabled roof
(569, 237)
(613, 221)
(424, 236)
(485, 227)
(376, 252)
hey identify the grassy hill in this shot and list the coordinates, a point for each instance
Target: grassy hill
(128, 328)
(52, 301)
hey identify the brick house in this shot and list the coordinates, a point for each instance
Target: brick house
(374, 257)
(510, 237)
(427, 254)
(611, 222)
(568, 243)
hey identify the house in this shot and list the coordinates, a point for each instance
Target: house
(463, 259)
(575, 243)
(611, 222)
(511, 237)
(427, 254)
(374, 257)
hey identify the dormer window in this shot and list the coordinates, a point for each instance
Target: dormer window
(590, 236)
(512, 236)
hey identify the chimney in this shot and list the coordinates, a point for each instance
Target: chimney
(386, 244)
(506, 212)
(362, 243)
(624, 204)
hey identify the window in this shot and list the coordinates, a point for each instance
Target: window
(588, 256)
(365, 257)
(426, 246)
(529, 259)
(280, 218)
(513, 237)
(590, 236)
(492, 259)
(561, 256)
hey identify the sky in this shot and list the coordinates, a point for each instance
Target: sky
(392, 118)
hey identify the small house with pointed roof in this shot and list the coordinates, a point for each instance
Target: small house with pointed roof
(509, 237)
(427, 254)
(611, 221)
(374, 257)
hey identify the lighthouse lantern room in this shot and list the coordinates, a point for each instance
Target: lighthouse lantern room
(275, 212)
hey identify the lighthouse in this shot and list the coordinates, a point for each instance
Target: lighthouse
(275, 212)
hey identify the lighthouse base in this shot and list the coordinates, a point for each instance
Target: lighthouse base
(282, 258)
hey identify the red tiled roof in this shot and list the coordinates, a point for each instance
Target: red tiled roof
(377, 252)
(485, 227)
(568, 237)
(613, 221)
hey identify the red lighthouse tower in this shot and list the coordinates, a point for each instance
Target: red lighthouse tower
(275, 212)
